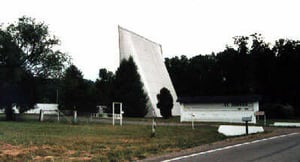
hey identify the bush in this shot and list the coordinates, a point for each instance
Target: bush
(279, 111)
(10, 113)
(128, 89)
(165, 103)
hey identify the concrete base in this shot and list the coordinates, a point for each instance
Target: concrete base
(286, 124)
(236, 130)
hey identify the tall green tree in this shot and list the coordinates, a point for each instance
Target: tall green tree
(26, 52)
(252, 66)
(263, 66)
(165, 103)
(78, 93)
(36, 47)
(103, 87)
(48, 90)
(287, 69)
(128, 89)
(178, 68)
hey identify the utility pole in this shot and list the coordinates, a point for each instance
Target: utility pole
(153, 124)
(57, 96)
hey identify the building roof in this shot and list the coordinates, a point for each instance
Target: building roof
(219, 99)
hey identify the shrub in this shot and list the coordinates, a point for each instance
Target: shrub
(165, 103)
(10, 113)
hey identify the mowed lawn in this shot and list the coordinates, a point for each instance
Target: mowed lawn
(48, 141)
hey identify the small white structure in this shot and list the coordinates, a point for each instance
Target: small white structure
(116, 116)
(286, 124)
(218, 108)
(237, 130)
(48, 108)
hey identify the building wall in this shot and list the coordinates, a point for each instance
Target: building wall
(43, 106)
(36, 109)
(219, 112)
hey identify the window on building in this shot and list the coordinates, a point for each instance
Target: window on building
(243, 104)
(226, 105)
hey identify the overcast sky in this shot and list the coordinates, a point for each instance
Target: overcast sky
(88, 28)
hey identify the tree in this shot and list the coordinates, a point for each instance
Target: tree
(252, 67)
(36, 48)
(165, 103)
(202, 71)
(48, 90)
(262, 66)
(26, 51)
(9, 113)
(105, 75)
(179, 71)
(128, 89)
(287, 70)
(103, 87)
(77, 92)
(16, 87)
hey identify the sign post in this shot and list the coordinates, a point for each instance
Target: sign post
(153, 124)
(75, 117)
(113, 114)
(117, 116)
(41, 115)
(246, 120)
(261, 113)
(193, 116)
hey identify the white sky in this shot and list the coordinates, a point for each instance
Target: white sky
(88, 28)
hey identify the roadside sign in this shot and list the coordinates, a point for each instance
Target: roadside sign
(246, 119)
(259, 113)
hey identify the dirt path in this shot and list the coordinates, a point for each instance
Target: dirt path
(9, 152)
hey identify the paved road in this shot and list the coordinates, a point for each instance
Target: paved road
(281, 149)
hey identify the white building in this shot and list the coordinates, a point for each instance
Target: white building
(148, 57)
(218, 108)
(49, 108)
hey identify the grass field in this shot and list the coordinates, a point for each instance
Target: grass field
(50, 141)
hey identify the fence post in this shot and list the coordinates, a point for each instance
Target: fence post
(74, 116)
(193, 116)
(41, 115)
(265, 120)
(121, 115)
(113, 114)
(246, 127)
(58, 115)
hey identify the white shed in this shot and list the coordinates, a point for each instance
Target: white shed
(49, 108)
(218, 108)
